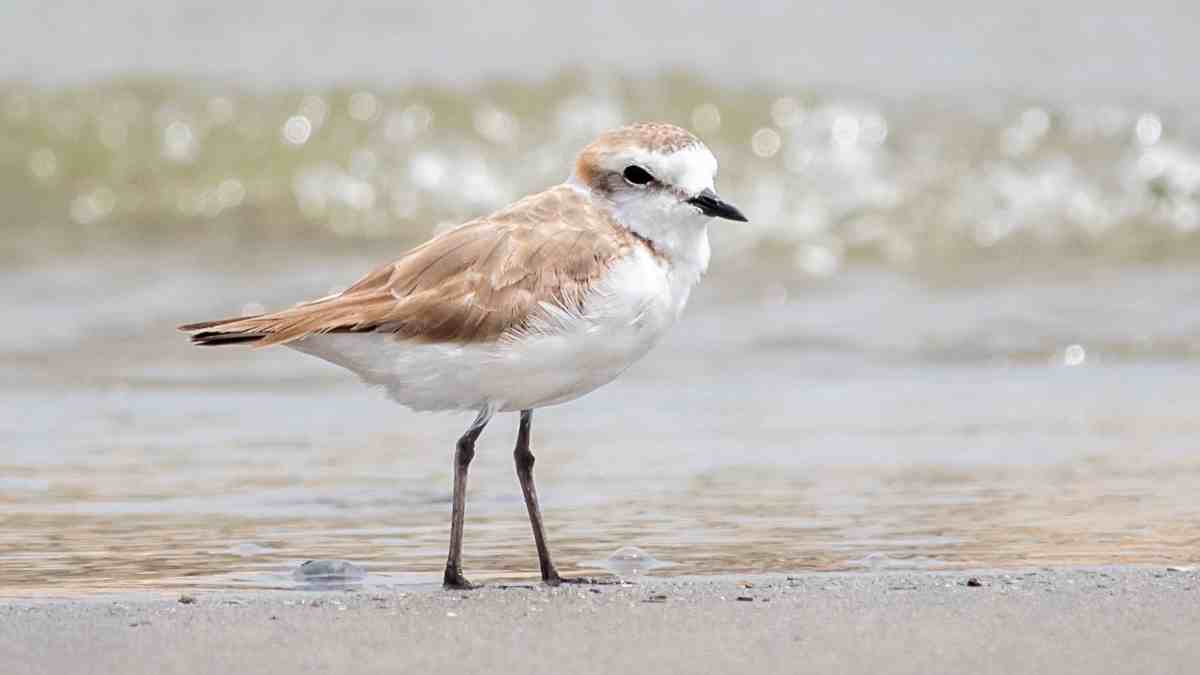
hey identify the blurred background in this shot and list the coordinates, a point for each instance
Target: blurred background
(960, 330)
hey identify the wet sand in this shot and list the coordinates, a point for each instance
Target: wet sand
(1078, 620)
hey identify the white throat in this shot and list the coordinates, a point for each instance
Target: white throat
(680, 234)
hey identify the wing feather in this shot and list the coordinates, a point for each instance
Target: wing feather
(474, 283)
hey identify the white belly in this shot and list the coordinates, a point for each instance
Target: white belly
(561, 357)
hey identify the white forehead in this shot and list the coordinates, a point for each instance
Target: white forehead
(691, 169)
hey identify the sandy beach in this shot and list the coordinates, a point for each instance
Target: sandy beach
(1081, 620)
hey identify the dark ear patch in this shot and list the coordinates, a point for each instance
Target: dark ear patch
(637, 175)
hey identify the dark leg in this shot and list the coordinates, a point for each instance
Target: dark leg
(524, 460)
(463, 454)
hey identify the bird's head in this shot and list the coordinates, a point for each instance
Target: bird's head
(657, 176)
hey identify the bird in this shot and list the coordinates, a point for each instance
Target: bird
(537, 304)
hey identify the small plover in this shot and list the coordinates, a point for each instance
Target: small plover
(536, 304)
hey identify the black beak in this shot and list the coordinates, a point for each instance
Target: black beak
(711, 205)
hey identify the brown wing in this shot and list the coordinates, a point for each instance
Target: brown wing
(471, 284)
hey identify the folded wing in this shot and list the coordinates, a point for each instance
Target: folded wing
(470, 284)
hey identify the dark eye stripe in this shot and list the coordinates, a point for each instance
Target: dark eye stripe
(637, 175)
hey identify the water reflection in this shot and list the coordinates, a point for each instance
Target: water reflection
(730, 521)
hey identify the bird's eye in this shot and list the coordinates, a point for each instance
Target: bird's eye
(637, 175)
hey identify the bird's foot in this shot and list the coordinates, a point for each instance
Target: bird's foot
(556, 580)
(453, 580)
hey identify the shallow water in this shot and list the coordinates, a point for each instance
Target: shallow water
(870, 420)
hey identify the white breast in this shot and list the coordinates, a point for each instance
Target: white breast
(561, 356)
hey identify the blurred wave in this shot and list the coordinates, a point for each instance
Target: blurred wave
(827, 177)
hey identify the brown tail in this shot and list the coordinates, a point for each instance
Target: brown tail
(204, 335)
(333, 314)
